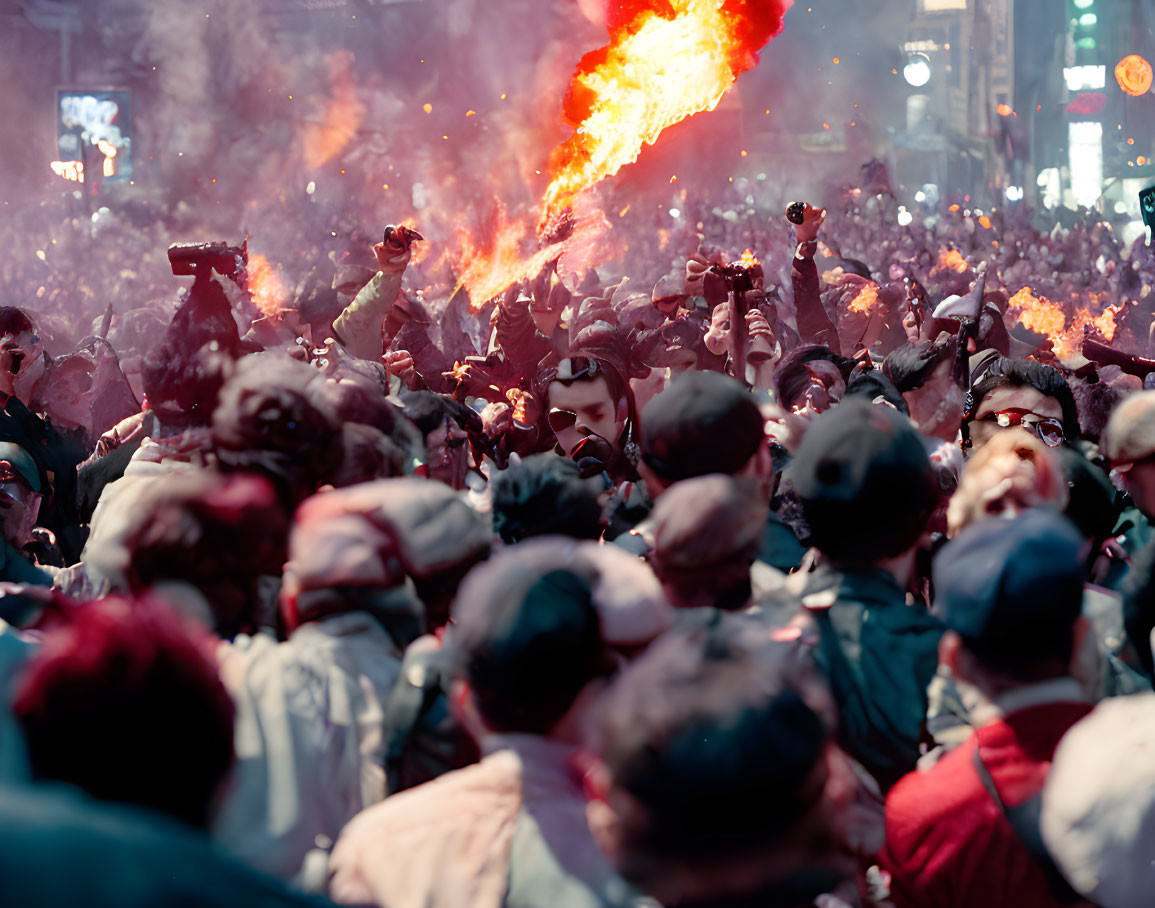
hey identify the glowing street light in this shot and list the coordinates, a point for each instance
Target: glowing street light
(917, 70)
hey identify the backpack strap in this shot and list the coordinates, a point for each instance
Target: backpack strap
(1024, 820)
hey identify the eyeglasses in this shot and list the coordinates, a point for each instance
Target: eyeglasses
(1046, 428)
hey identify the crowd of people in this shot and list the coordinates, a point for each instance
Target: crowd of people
(810, 576)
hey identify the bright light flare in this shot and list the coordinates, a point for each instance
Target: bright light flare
(952, 259)
(666, 60)
(865, 299)
(70, 170)
(748, 259)
(1045, 316)
(265, 286)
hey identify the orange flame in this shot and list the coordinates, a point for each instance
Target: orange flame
(666, 60)
(748, 259)
(865, 299)
(1044, 316)
(952, 259)
(341, 119)
(265, 286)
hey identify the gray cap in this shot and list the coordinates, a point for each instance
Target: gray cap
(1130, 434)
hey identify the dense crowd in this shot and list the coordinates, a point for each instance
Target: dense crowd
(809, 563)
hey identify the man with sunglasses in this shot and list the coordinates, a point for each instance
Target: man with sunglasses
(591, 413)
(1020, 393)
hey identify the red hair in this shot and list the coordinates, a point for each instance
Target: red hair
(124, 701)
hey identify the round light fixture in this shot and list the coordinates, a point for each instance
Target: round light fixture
(917, 70)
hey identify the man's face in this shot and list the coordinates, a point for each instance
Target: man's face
(446, 454)
(825, 388)
(19, 506)
(1025, 406)
(595, 410)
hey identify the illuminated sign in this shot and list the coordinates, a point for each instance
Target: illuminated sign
(1081, 78)
(95, 126)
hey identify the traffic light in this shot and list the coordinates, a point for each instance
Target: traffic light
(1083, 20)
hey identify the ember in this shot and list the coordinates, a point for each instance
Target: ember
(748, 259)
(865, 299)
(952, 259)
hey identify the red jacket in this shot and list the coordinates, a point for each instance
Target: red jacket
(949, 844)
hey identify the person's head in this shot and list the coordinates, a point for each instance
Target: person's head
(1020, 392)
(811, 376)
(923, 374)
(722, 776)
(587, 396)
(1010, 474)
(359, 549)
(273, 420)
(205, 540)
(866, 484)
(707, 535)
(546, 495)
(875, 387)
(703, 422)
(21, 491)
(1011, 594)
(20, 346)
(444, 425)
(67, 392)
(526, 642)
(124, 701)
(1129, 445)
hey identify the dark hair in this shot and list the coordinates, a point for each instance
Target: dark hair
(124, 701)
(14, 320)
(1021, 373)
(217, 533)
(534, 654)
(875, 384)
(428, 411)
(714, 736)
(272, 420)
(908, 367)
(544, 495)
(792, 376)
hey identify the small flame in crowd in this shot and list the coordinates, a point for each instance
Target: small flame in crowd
(70, 170)
(666, 60)
(865, 299)
(748, 259)
(265, 286)
(494, 262)
(1045, 316)
(952, 259)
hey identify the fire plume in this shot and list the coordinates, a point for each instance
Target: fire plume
(341, 119)
(265, 286)
(1045, 316)
(865, 299)
(666, 60)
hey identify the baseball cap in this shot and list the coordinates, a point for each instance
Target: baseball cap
(704, 521)
(865, 481)
(1012, 589)
(22, 462)
(1130, 434)
(703, 422)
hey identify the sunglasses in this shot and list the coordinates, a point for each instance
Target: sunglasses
(1046, 428)
(575, 368)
